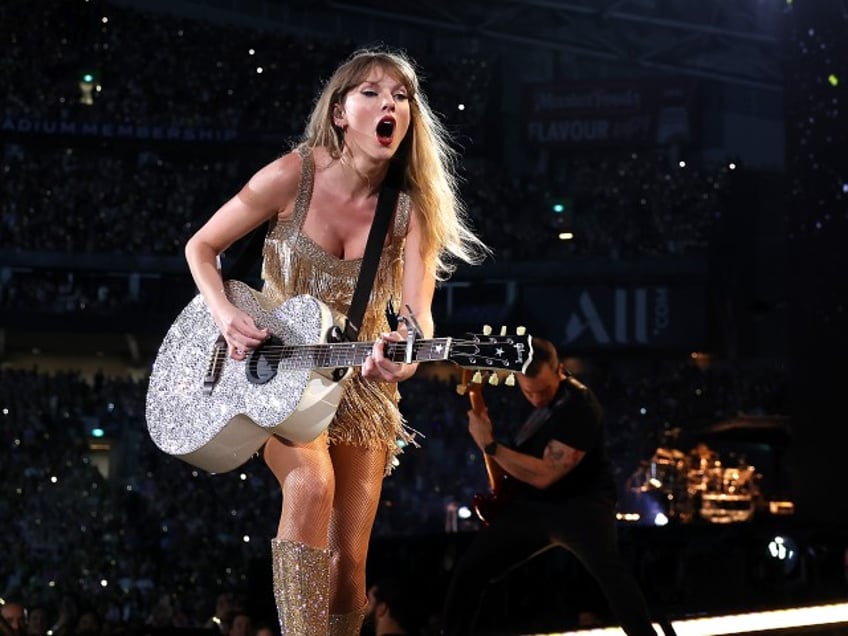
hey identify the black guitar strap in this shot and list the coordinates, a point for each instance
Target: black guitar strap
(386, 203)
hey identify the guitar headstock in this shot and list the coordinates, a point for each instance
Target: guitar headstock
(494, 359)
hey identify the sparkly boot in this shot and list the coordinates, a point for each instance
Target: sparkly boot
(349, 624)
(301, 587)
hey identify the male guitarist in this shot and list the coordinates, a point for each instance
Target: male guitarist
(561, 492)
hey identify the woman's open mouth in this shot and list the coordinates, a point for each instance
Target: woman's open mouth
(386, 131)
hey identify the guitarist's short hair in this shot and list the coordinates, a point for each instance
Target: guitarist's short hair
(544, 354)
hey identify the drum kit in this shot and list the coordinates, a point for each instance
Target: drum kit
(698, 485)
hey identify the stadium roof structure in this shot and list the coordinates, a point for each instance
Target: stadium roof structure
(733, 42)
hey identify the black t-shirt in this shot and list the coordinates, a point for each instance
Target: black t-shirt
(575, 418)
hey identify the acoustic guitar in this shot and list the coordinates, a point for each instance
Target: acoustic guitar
(214, 412)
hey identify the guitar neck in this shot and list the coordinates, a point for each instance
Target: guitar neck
(475, 396)
(347, 354)
(478, 405)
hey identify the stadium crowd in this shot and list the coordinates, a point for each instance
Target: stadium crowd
(114, 198)
(78, 189)
(146, 202)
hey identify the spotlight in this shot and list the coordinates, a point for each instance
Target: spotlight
(783, 550)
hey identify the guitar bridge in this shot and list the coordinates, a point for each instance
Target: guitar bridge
(216, 363)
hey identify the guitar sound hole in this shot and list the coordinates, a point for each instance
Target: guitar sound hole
(262, 363)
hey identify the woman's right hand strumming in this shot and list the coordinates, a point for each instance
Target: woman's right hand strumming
(239, 330)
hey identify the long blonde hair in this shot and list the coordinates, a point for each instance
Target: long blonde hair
(430, 176)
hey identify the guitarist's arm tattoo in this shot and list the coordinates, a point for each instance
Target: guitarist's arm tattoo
(554, 454)
(562, 458)
(557, 461)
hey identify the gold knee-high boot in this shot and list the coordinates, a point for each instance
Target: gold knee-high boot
(349, 624)
(301, 587)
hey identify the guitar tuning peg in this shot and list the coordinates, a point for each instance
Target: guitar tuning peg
(503, 330)
(461, 389)
(521, 331)
(487, 330)
(494, 380)
(478, 378)
(510, 380)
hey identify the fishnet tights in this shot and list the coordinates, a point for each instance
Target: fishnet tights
(330, 498)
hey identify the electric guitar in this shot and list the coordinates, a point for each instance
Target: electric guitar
(214, 412)
(486, 505)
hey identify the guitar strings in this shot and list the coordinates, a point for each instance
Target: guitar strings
(333, 349)
(417, 345)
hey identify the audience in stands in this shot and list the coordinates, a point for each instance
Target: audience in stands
(78, 190)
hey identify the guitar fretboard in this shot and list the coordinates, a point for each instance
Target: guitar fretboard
(346, 354)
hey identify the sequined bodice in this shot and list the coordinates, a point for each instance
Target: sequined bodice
(293, 264)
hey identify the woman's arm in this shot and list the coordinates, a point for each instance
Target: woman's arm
(267, 193)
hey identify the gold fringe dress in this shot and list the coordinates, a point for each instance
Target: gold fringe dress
(293, 264)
